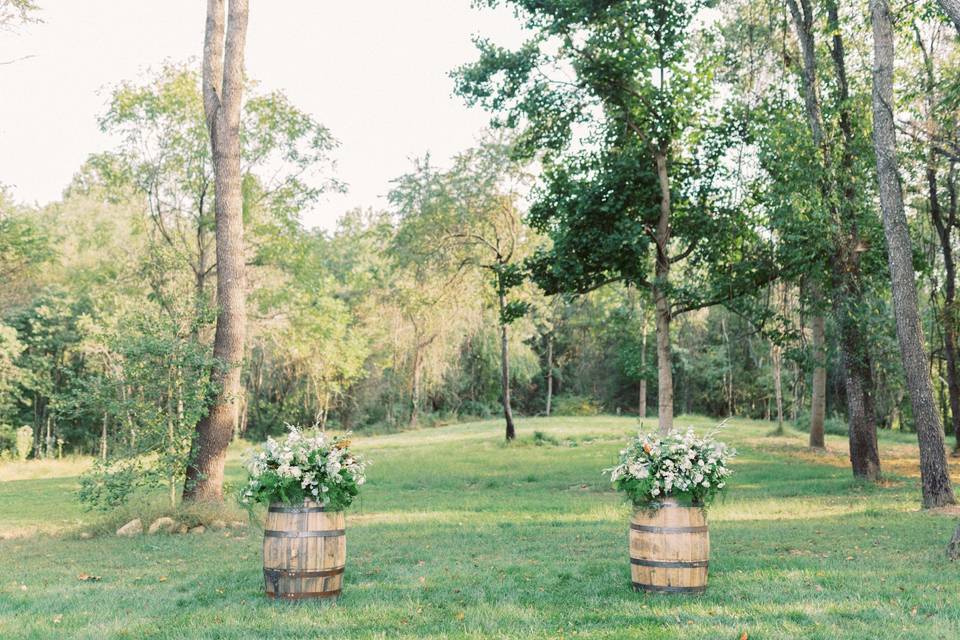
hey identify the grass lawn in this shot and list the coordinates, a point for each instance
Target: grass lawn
(461, 536)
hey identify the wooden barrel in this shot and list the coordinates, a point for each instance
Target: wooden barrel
(304, 550)
(669, 549)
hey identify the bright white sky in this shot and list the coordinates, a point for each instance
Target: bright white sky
(374, 72)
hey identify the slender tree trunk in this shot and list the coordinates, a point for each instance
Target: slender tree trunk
(415, 387)
(728, 372)
(642, 408)
(662, 303)
(935, 478)
(222, 93)
(549, 372)
(505, 365)
(103, 437)
(818, 398)
(776, 361)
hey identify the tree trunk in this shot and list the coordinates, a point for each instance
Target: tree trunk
(505, 365)
(818, 398)
(661, 303)
(642, 400)
(728, 372)
(549, 372)
(847, 290)
(415, 387)
(935, 478)
(944, 230)
(222, 93)
(776, 361)
(952, 9)
(103, 437)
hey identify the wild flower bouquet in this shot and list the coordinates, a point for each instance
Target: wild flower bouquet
(677, 465)
(304, 466)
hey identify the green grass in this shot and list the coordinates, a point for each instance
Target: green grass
(461, 536)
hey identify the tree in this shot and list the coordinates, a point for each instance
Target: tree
(935, 477)
(472, 219)
(836, 183)
(223, 83)
(609, 97)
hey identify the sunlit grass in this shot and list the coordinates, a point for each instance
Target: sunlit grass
(459, 535)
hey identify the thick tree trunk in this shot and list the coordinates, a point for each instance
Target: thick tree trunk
(818, 398)
(505, 367)
(861, 411)
(935, 478)
(662, 303)
(952, 9)
(222, 93)
(549, 373)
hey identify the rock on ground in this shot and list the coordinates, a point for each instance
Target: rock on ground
(218, 525)
(198, 529)
(132, 528)
(165, 524)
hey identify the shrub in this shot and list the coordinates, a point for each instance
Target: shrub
(575, 406)
(24, 442)
(834, 425)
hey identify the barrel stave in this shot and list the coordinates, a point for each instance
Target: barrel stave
(669, 549)
(304, 550)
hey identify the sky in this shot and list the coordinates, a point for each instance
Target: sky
(374, 72)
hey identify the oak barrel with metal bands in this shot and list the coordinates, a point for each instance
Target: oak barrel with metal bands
(304, 551)
(669, 549)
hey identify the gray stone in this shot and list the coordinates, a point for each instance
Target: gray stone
(132, 528)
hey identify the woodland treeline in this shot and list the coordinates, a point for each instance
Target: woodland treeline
(679, 206)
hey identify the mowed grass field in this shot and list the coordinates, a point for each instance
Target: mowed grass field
(461, 536)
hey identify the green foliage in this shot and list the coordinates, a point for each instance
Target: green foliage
(154, 380)
(570, 405)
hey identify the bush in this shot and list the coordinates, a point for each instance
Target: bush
(24, 442)
(835, 425)
(478, 409)
(575, 406)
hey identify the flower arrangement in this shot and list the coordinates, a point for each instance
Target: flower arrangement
(304, 466)
(654, 467)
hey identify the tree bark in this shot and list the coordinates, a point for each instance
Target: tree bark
(935, 478)
(952, 9)
(818, 398)
(505, 365)
(222, 94)
(661, 301)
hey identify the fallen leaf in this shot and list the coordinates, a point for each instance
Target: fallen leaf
(86, 577)
(57, 619)
(162, 579)
(460, 615)
(744, 636)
